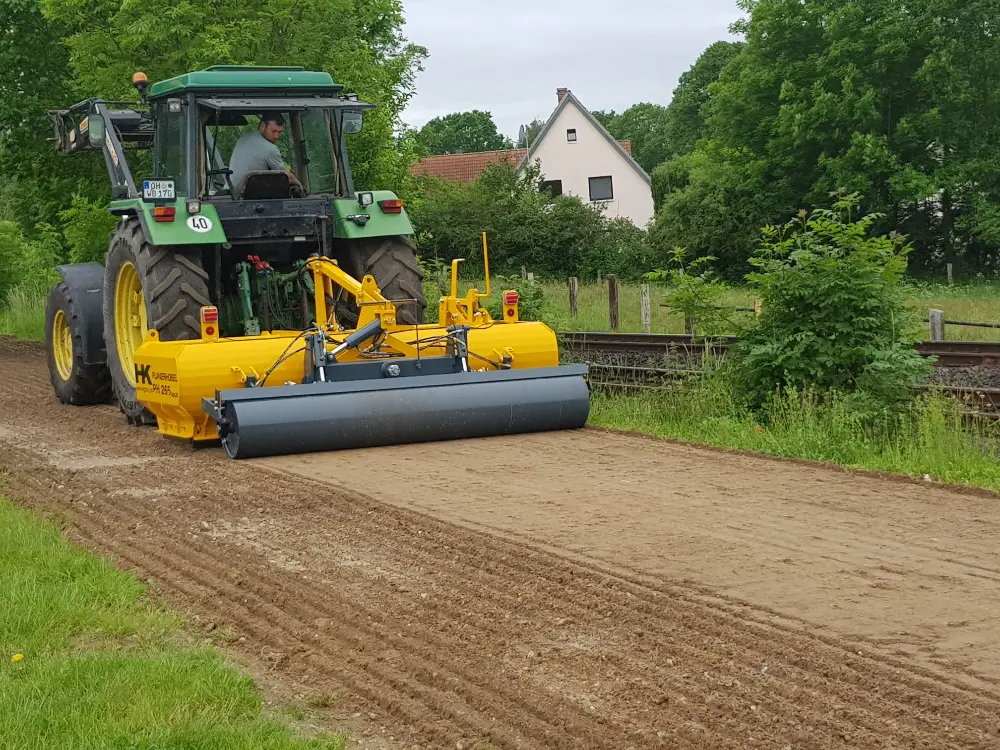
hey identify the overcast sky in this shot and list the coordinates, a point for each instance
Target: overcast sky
(510, 57)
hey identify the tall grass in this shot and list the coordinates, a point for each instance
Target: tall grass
(979, 303)
(926, 438)
(22, 313)
(86, 662)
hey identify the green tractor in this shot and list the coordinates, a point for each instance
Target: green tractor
(195, 232)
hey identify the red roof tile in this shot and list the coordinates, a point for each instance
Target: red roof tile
(467, 167)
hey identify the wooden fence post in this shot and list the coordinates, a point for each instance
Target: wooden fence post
(951, 278)
(936, 317)
(757, 307)
(574, 296)
(647, 322)
(613, 302)
(524, 272)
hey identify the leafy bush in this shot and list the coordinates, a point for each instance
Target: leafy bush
(27, 261)
(532, 304)
(834, 316)
(552, 237)
(692, 292)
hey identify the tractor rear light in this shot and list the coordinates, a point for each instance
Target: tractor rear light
(194, 207)
(209, 323)
(391, 206)
(164, 213)
(510, 299)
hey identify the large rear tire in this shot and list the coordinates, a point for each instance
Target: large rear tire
(74, 380)
(147, 287)
(393, 263)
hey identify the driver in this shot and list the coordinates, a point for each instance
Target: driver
(256, 151)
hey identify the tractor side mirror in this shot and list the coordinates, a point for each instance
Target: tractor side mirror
(95, 131)
(353, 122)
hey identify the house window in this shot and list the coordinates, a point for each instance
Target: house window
(601, 189)
(571, 135)
(551, 186)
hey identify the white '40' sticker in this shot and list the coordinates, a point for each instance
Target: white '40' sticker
(199, 223)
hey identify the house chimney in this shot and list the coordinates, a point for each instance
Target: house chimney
(561, 93)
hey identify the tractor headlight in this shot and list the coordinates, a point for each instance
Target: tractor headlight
(174, 106)
(194, 207)
(365, 199)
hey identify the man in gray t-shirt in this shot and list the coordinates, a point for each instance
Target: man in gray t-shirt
(256, 151)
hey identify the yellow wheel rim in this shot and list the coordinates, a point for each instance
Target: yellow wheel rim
(130, 318)
(62, 345)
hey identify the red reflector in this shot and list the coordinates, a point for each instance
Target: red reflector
(209, 315)
(510, 298)
(391, 206)
(209, 331)
(164, 213)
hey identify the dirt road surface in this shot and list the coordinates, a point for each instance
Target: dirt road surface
(578, 590)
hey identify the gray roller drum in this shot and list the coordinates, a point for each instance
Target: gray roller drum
(289, 419)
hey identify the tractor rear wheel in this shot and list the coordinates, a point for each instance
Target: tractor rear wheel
(393, 263)
(147, 287)
(74, 380)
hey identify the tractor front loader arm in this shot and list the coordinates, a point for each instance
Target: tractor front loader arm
(105, 126)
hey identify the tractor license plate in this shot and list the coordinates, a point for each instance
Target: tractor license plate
(158, 190)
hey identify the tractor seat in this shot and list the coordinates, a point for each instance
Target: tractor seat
(265, 185)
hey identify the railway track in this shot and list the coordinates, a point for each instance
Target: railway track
(946, 353)
(623, 362)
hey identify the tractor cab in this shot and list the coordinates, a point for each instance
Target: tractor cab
(170, 156)
(215, 107)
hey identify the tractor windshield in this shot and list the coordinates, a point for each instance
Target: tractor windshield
(306, 144)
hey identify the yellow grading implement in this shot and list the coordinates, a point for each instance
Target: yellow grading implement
(381, 383)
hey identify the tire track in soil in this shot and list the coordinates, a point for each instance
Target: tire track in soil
(663, 663)
(823, 694)
(555, 593)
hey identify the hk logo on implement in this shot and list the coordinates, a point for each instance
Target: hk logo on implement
(142, 374)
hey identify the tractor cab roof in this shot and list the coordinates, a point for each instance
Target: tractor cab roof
(257, 104)
(247, 79)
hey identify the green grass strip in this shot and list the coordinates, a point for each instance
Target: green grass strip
(87, 662)
(926, 439)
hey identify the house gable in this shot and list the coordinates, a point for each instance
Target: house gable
(579, 157)
(568, 100)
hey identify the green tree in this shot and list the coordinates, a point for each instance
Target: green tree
(462, 132)
(896, 102)
(531, 132)
(358, 41)
(685, 119)
(34, 180)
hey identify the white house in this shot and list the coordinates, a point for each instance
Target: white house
(577, 156)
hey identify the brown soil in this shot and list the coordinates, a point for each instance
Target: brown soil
(584, 590)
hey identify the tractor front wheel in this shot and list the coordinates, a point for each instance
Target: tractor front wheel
(392, 261)
(145, 288)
